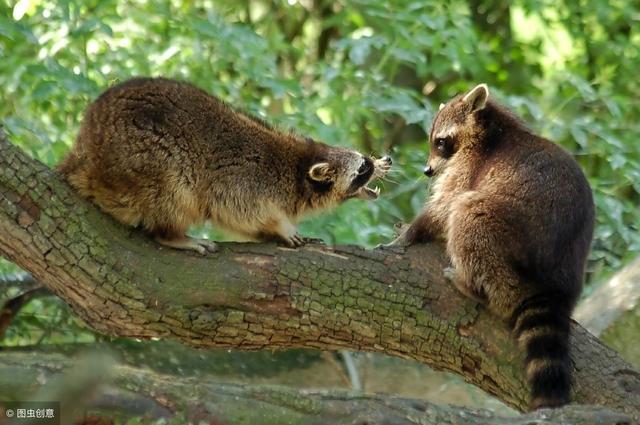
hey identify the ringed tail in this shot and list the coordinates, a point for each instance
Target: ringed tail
(541, 325)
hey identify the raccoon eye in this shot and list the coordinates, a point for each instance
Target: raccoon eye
(441, 143)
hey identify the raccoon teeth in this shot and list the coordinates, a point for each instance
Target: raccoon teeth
(371, 193)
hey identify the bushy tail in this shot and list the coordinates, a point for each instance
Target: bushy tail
(541, 326)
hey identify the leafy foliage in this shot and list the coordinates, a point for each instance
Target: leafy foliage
(362, 73)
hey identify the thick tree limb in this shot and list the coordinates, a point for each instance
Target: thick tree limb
(136, 393)
(255, 296)
(612, 312)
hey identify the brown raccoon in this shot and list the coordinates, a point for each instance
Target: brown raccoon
(165, 155)
(517, 216)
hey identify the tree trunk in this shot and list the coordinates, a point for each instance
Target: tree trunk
(260, 296)
(94, 388)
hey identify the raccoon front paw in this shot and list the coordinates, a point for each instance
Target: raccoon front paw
(475, 293)
(449, 273)
(294, 241)
(201, 246)
(399, 242)
(394, 244)
(399, 228)
(209, 246)
(313, 240)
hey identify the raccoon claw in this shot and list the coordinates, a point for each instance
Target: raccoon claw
(209, 246)
(201, 246)
(391, 245)
(449, 273)
(298, 240)
(294, 241)
(400, 227)
(197, 248)
(399, 242)
(313, 240)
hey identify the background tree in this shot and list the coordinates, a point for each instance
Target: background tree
(367, 74)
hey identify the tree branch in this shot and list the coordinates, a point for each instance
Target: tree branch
(133, 393)
(12, 307)
(256, 296)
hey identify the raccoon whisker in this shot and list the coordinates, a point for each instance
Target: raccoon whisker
(387, 179)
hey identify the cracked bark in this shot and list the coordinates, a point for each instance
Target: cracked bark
(259, 296)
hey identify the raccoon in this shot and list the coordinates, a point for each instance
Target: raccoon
(517, 215)
(165, 155)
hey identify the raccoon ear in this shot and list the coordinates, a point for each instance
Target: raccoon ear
(477, 98)
(441, 107)
(321, 172)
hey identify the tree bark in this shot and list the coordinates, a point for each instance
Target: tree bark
(260, 296)
(123, 393)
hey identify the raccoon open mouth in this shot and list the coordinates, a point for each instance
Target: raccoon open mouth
(365, 192)
(371, 170)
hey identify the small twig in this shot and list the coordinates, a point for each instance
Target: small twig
(330, 358)
(12, 307)
(352, 370)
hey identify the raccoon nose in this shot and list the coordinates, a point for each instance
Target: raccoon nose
(387, 159)
(428, 171)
